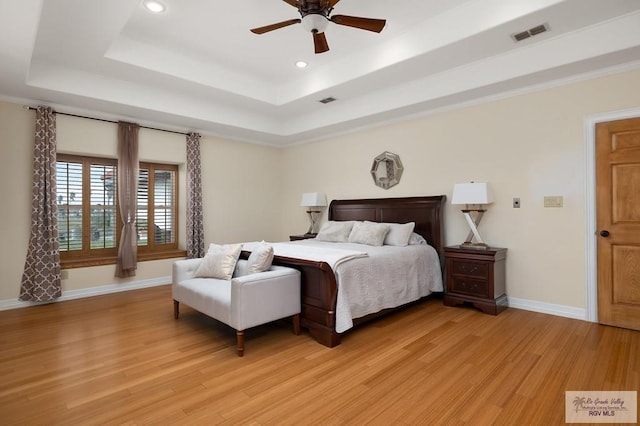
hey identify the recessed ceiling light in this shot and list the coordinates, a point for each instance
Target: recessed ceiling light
(154, 6)
(301, 64)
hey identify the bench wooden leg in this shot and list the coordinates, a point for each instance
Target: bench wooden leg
(296, 324)
(240, 342)
(176, 309)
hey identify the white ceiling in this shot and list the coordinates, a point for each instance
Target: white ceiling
(197, 67)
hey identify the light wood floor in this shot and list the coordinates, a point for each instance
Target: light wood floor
(123, 359)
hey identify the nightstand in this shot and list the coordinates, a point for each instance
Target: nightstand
(301, 237)
(476, 277)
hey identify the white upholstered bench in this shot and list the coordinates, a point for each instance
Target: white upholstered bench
(244, 301)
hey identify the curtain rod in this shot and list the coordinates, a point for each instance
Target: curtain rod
(111, 121)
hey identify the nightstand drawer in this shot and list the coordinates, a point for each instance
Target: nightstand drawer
(470, 286)
(470, 269)
(476, 277)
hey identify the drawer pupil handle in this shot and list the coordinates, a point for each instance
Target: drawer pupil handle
(467, 268)
(472, 286)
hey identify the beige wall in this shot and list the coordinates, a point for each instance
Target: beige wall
(241, 190)
(525, 146)
(16, 150)
(95, 138)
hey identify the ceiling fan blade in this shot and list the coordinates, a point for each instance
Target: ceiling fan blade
(267, 28)
(320, 42)
(329, 3)
(293, 3)
(375, 25)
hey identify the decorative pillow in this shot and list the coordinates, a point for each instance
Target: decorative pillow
(370, 233)
(399, 234)
(337, 232)
(417, 240)
(219, 262)
(260, 258)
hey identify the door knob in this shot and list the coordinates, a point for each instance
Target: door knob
(604, 233)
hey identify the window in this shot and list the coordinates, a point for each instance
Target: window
(157, 209)
(89, 222)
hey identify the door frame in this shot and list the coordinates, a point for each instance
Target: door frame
(591, 252)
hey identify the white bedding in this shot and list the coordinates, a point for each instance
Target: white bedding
(370, 278)
(332, 254)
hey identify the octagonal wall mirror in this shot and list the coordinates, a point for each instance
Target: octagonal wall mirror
(387, 170)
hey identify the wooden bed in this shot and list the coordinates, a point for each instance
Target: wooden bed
(319, 289)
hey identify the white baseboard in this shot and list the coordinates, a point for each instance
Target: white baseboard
(548, 308)
(90, 292)
(514, 302)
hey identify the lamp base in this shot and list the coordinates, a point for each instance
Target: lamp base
(474, 246)
(313, 219)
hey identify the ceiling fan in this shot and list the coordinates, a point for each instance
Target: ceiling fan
(315, 15)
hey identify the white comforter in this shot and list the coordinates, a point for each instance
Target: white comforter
(386, 277)
(331, 254)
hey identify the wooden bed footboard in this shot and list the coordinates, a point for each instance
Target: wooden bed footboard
(319, 289)
(319, 293)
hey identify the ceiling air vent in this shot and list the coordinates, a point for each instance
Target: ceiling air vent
(521, 36)
(327, 100)
(539, 29)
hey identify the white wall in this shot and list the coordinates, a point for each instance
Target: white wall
(525, 146)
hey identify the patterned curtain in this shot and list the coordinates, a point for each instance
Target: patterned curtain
(195, 227)
(128, 169)
(41, 276)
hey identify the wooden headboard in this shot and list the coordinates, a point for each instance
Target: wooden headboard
(426, 212)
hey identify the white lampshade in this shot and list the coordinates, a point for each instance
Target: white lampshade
(313, 199)
(314, 22)
(471, 193)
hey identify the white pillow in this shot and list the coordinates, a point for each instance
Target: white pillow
(370, 233)
(399, 234)
(337, 232)
(219, 262)
(417, 240)
(260, 258)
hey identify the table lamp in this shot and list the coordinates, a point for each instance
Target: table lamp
(313, 200)
(474, 195)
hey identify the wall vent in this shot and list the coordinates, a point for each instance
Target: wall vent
(523, 35)
(327, 100)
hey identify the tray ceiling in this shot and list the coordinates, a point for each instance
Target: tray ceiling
(197, 67)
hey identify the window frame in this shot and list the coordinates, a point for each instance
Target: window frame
(153, 247)
(108, 256)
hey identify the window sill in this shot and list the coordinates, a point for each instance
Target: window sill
(101, 261)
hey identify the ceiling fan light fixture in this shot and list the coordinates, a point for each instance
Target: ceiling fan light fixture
(314, 22)
(315, 16)
(154, 6)
(301, 64)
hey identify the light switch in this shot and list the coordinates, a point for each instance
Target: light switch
(553, 200)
